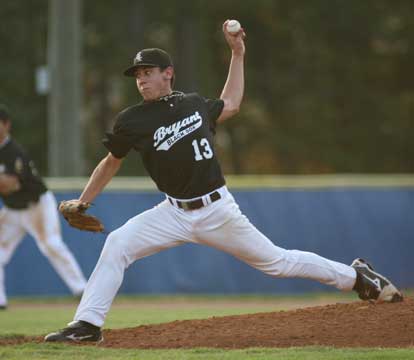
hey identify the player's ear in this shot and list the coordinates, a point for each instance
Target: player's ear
(169, 73)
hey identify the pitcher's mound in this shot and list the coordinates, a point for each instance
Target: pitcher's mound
(357, 324)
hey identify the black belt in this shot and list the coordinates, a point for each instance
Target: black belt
(195, 204)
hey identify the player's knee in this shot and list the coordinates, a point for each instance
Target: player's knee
(52, 246)
(275, 266)
(112, 243)
(114, 249)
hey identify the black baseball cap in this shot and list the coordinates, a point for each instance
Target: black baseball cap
(149, 57)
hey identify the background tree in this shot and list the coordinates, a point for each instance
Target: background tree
(329, 85)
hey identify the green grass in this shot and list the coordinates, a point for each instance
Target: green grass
(37, 321)
(41, 315)
(37, 316)
(53, 351)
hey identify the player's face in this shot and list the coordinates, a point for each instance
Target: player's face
(152, 82)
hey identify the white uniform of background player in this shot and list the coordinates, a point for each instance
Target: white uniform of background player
(30, 208)
(174, 133)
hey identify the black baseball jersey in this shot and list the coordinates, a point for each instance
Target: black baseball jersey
(14, 161)
(174, 136)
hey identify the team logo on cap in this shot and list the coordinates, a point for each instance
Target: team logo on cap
(138, 58)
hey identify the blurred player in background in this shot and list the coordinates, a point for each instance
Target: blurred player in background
(29, 208)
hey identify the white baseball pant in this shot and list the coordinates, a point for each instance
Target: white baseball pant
(220, 225)
(40, 220)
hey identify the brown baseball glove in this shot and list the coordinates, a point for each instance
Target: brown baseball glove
(74, 213)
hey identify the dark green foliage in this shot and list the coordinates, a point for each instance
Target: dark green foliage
(23, 48)
(329, 84)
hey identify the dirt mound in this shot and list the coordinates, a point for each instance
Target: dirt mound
(357, 324)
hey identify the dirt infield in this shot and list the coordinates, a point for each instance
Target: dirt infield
(356, 324)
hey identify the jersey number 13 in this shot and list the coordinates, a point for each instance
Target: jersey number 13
(202, 151)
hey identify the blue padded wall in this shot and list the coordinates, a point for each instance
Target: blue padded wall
(340, 223)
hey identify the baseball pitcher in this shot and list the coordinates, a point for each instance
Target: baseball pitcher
(173, 132)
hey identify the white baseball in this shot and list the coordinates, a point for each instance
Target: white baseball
(233, 26)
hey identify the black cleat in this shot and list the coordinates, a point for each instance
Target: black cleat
(3, 307)
(372, 286)
(77, 331)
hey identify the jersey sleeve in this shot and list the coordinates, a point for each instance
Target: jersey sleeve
(118, 142)
(214, 110)
(118, 145)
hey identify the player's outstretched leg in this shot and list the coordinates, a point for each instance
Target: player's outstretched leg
(77, 331)
(373, 286)
(137, 238)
